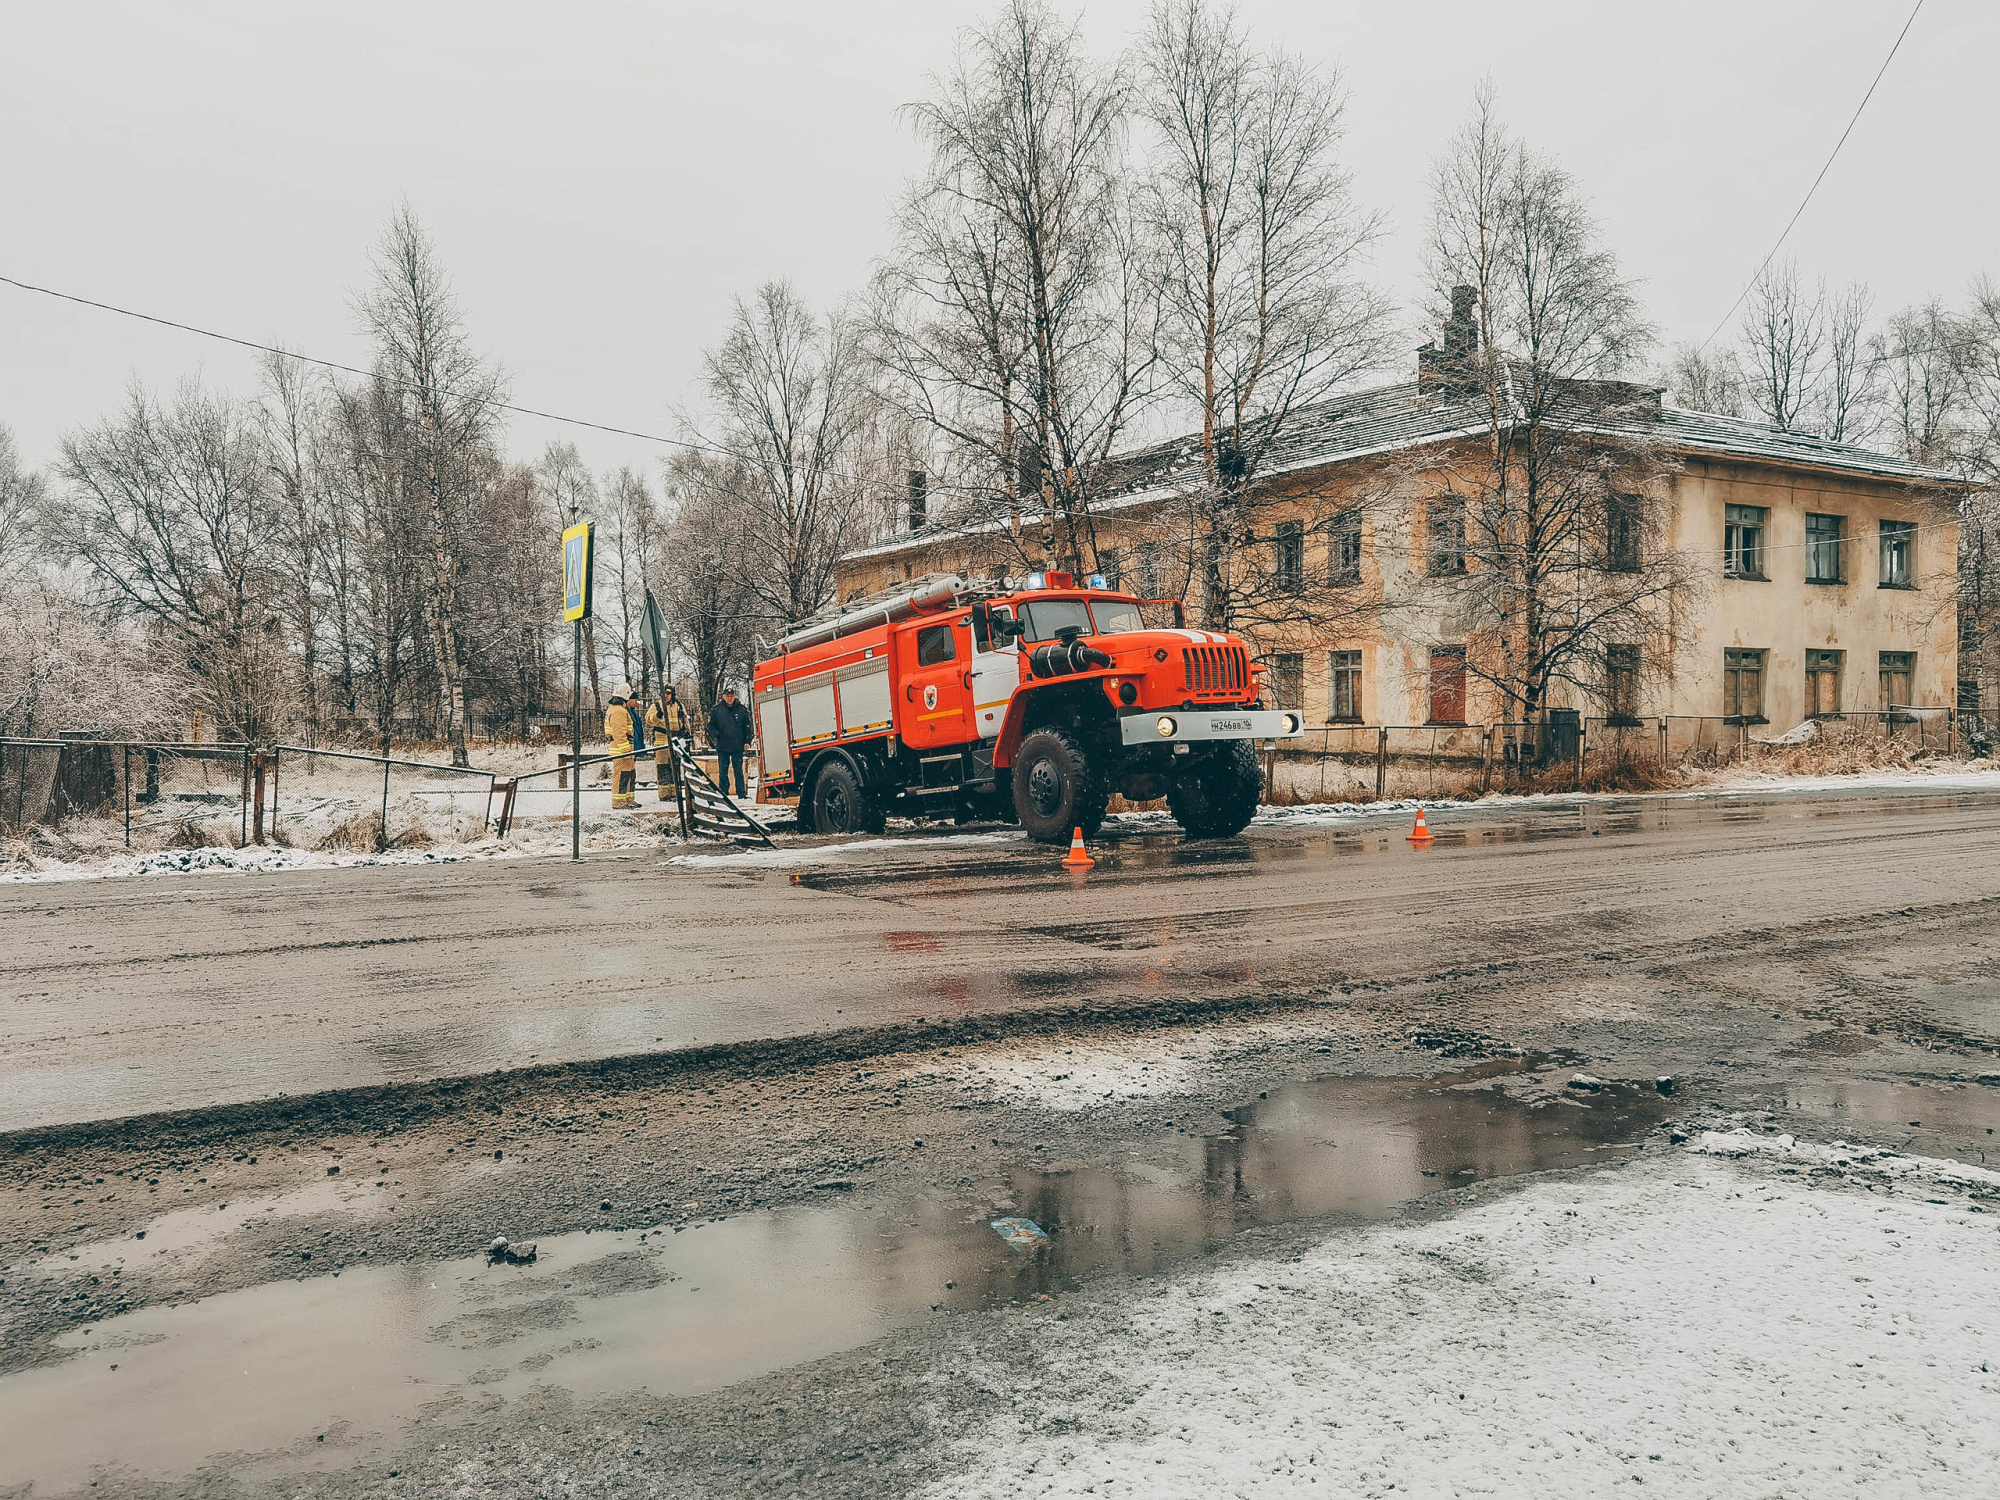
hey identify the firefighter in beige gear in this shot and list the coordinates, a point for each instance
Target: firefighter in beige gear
(668, 721)
(618, 729)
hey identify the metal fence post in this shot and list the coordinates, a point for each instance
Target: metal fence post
(1381, 760)
(1486, 761)
(384, 839)
(126, 768)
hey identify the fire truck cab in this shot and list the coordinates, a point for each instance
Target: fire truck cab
(1031, 702)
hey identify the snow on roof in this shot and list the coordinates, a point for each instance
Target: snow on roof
(1386, 418)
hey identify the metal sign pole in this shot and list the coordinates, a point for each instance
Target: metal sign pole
(576, 748)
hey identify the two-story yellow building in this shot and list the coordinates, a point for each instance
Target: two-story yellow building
(1818, 577)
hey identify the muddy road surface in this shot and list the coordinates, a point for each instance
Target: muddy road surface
(925, 1167)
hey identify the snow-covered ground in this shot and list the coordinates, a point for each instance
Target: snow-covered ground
(1744, 1317)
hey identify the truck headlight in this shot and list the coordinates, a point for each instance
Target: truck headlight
(1291, 723)
(1166, 725)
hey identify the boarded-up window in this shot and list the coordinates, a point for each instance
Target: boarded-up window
(1822, 683)
(1621, 683)
(1742, 684)
(1898, 668)
(1622, 517)
(1108, 566)
(1447, 685)
(1344, 685)
(1288, 679)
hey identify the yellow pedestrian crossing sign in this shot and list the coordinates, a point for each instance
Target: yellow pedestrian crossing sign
(576, 571)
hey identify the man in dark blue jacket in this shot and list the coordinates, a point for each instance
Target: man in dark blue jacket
(729, 732)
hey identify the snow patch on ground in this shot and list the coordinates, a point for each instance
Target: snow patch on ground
(1950, 776)
(1073, 1078)
(1852, 1161)
(1691, 1324)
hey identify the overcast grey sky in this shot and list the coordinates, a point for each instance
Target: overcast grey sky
(602, 178)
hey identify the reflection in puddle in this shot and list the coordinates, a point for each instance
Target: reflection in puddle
(1953, 1119)
(369, 1354)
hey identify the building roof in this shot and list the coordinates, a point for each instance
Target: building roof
(1387, 418)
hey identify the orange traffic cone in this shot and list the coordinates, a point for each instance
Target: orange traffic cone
(1421, 834)
(1078, 857)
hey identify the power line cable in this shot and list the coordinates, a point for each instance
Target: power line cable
(494, 404)
(328, 364)
(1793, 222)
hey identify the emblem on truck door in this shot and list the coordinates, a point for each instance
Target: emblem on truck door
(930, 695)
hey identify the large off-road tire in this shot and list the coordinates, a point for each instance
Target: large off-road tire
(1215, 794)
(841, 804)
(1058, 787)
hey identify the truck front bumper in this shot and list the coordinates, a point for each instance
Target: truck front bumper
(1179, 726)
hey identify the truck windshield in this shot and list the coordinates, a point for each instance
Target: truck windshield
(1044, 617)
(1116, 616)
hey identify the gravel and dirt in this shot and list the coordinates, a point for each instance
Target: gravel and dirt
(1324, 1135)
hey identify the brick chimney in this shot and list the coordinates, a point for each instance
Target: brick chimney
(1448, 371)
(919, 499)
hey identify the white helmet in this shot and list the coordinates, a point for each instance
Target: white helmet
(623, 690)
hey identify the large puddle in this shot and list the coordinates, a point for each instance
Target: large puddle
(321, 1371)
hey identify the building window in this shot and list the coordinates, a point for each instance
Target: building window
(1621, 684)
(1447, 685)
(1743, 541)
(1899, 548)
(1444, 535)
(1289, 555)
(1898, 669)
(1622, 517)
(1743, 685)
(1343, 549)
(1822, 682)
(1823, 557)
(1288, 679)
(1343, 695)
(1108, 562)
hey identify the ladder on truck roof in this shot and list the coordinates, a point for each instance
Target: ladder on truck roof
(885, 606)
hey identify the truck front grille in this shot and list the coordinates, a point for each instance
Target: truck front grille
(1216, 669)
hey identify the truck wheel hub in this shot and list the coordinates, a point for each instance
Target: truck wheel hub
(1045, 787)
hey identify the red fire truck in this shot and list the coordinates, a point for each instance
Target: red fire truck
(1031, 702)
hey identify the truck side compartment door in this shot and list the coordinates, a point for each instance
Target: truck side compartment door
(935, 698)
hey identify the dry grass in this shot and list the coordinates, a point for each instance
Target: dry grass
(1841, 750)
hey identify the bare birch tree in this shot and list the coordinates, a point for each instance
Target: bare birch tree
(1018, 315)
(1784, 345)
(1702, 381)
(1263, 310)
(168, 511)
(709, 605)
(448, 392)
(790, 391)
(1546, 541)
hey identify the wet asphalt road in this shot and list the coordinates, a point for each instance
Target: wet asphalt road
(761, 1269)
(127, 997)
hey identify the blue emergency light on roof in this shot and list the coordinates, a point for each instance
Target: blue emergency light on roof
(1035, 580)
(1097, 580)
